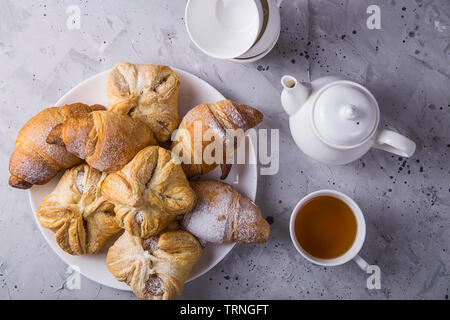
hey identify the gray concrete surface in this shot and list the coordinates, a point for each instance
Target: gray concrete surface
(406, 202)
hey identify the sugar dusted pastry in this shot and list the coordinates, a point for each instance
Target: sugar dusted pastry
(149, 192)
(106, 140)
(147, 92)
(223, 215)
(34, 161)
(155, 268)
(217, 118)
(82, 219)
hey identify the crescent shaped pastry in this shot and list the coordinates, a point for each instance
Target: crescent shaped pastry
(34, 161)
(216, 118)
(223, 215)
(106, 140)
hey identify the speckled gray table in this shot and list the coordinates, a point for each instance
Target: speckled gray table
(406, 201)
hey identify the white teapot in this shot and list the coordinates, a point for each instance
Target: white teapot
(335, 121)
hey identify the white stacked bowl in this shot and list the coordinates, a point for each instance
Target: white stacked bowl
(238, 30)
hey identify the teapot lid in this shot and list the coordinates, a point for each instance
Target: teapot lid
(345, 114)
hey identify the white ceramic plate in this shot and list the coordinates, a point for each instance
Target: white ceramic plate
(193, 91)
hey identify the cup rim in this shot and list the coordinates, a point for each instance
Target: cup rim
(215, 55)
(259, 56)
(269, 35)
(360, 232)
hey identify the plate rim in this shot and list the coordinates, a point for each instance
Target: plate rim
(226, 252)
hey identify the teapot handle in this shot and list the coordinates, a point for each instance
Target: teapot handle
(394, 142)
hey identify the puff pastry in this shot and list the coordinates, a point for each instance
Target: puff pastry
(223, 215)
(217, 117)
(147, 92)
(34, 161)
(82, 219)
(106, 140)
(155, 268)
(149, 192)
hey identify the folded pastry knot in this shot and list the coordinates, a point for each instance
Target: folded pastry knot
(157, 267)
(82, 219)
(149, 192)
(146, 92)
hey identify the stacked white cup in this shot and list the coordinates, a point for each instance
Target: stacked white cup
(238, 30)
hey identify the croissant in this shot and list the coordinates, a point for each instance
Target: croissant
(217, 117)
(34, 161)
(223, 215)
(149, 192)
(155, 268)
(82, 219)
(106, 140)
(147, 92)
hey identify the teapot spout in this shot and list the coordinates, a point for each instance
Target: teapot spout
(294, 94)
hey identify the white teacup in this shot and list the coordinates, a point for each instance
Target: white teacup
(224, 29)
(352, 252)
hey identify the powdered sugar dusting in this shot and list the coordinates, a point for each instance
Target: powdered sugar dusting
(139, 218)
(246, 222)
(150, 244)
(155, 285)
(224, 215)
(209, 218)
(210, 122)
(33, 170)
(234, 116)
(80, 181)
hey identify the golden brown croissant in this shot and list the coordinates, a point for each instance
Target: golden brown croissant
(218, 117)
(223, 215)
(34, 161)
(106, 140)
(155, 268)
(82, 219)
(147, 92)
(149, 192)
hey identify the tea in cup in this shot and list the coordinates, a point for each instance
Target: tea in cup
(328, 228)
